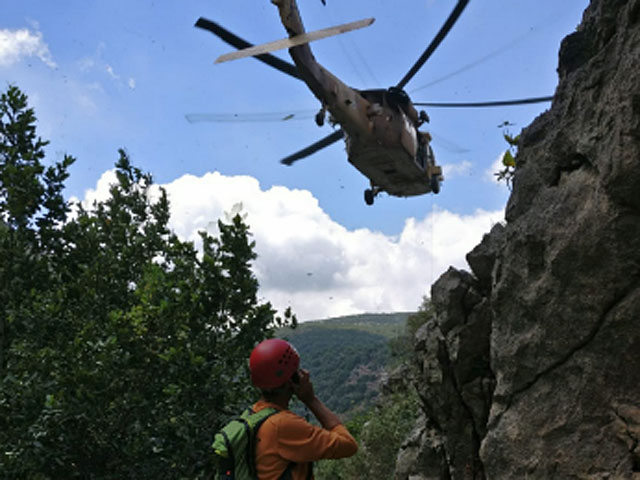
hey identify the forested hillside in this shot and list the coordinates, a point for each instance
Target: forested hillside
(347, 356)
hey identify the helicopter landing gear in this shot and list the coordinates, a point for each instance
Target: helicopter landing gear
(434, 184)
(370, 194)
(320, 116)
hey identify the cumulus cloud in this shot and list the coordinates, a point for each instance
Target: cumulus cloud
(18, 44)
(100, 193)
(308, 261)
(451, 170)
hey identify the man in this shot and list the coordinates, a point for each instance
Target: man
(286, 442)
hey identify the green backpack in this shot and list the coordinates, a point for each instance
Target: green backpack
(235, 445)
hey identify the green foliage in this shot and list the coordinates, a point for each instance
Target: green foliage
(509, 157)
(402, 345)
(25, 185)
(382, 427)
(423, 315)
(122, 348)
(380, 433)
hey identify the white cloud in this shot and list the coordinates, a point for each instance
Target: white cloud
(97, 63)
(452, 170)
(98, 194)
(17, 44)
(315, 265)
(111, 73)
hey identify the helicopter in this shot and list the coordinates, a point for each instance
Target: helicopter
(380, 127)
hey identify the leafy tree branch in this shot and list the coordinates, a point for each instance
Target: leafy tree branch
(122, 347)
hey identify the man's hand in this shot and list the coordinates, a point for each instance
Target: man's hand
(304, 388)
(304, 391)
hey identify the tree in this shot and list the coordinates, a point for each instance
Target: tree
(379, 432)
(31, 206)
(123, 347)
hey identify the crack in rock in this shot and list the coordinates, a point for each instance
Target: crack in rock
(564, 359)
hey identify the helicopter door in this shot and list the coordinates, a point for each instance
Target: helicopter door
(409, 136)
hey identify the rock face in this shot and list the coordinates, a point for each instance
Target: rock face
(531, 367)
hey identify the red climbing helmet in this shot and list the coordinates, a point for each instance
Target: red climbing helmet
(272, 363)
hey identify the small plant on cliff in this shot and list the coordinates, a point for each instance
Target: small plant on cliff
(509, 156)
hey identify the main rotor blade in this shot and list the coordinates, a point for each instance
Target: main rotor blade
(255, 117)
(497, 103)
(294, 41)
(239, 43)
(448, 24)
(313, 148)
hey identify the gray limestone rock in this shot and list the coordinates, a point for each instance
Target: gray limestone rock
(531, 368)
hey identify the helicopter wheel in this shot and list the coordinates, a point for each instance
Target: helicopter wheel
(368, 196)
(434, 184)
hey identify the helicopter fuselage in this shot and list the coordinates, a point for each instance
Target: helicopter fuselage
(392, 152)
(381, 126)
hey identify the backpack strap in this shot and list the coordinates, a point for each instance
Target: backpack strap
(226, 465)
(251, 444)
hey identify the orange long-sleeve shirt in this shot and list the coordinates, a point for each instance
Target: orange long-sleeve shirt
(286, 437)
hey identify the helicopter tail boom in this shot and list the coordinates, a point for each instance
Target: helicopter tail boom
(344, 103)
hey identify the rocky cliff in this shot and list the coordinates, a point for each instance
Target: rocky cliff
(531, 367)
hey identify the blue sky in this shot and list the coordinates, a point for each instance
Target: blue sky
(105, 75)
